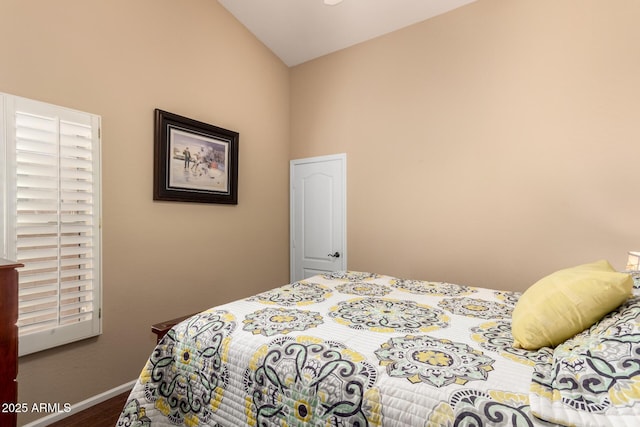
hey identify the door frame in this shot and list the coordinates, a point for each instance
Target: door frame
(317, 159)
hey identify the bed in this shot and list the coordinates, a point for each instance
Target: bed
(364, 349)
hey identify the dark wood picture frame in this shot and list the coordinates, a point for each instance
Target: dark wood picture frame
(194, 161)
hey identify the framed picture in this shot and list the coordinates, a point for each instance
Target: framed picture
(194, 161)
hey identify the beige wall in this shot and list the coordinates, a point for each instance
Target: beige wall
(487, 146)
(122, 59)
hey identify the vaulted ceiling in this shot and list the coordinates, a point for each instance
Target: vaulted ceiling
(300, 30)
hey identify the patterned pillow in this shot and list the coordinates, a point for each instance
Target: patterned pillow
(593, 378)
(635, 275)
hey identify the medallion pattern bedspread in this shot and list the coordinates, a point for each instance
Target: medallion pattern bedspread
(362, 349)
(593, 379)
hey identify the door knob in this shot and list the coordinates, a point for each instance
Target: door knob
(335, 255)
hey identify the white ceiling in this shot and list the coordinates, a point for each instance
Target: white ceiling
(300, 30)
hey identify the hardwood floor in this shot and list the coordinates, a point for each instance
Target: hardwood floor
(104, 414)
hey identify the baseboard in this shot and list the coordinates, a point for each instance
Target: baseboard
(80, 406)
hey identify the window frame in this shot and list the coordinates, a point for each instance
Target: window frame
(81, 294)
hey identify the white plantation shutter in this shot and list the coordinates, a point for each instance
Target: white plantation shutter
(53, 221)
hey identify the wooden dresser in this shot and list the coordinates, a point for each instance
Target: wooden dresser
(8, 341)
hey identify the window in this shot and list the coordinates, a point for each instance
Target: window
(50, 200)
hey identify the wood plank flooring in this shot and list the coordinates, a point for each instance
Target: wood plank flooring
(104, 414)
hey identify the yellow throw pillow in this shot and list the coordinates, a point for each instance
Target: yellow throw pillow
(567, 302)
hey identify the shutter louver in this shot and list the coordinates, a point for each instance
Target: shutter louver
(37, 216)
(56, 226)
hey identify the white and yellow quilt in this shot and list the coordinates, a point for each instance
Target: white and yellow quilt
(363, 349)
(593, 379)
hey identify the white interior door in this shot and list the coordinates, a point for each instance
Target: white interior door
(318, 215)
